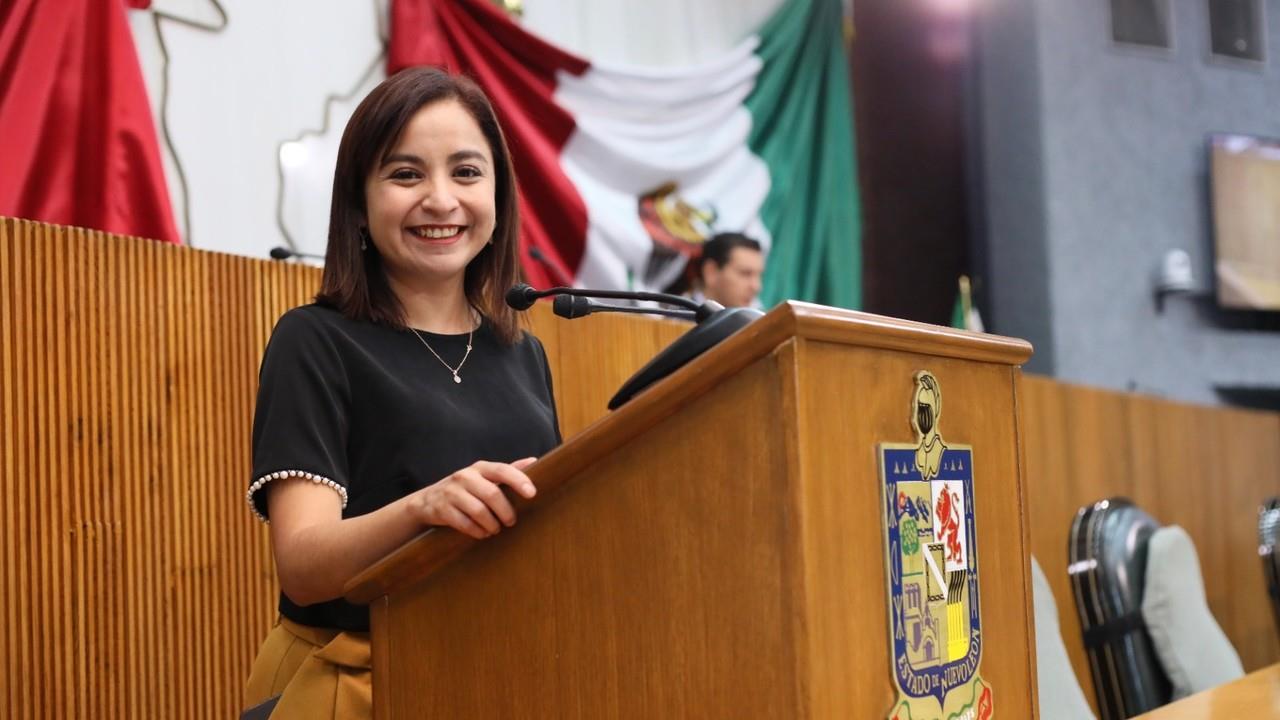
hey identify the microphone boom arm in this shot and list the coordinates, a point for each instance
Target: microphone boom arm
(701, 311)
(572, 307)
(625, 295)
(714, 324)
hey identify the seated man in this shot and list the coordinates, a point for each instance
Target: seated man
(730, 270)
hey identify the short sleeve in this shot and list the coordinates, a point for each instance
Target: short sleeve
(300, 423)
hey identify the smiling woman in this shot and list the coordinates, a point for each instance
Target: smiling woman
(421, 155)
(407, 395)
(430, 202)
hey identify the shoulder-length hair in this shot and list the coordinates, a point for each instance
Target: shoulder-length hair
(354, 280)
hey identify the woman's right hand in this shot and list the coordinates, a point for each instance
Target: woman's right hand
(471, 500)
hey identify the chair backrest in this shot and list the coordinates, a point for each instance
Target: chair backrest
(1108, 558)
(1194, 652)
(1268, 535)
(1060, 696)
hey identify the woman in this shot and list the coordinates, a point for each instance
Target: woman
(407, 396)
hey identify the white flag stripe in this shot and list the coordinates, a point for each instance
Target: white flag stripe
(638, 129)
(641, 164)
(641, 75)
(655, 104)
(661, 128)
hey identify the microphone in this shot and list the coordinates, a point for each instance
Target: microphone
(522, 296)
(284, 253)
(714, 323)
(572, 307)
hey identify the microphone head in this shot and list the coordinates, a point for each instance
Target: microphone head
(281, 253)
(570, 307)
(521, 296)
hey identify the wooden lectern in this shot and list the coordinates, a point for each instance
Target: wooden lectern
(715, 548)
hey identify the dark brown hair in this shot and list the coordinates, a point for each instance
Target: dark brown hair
(719, 248)
(354, 281)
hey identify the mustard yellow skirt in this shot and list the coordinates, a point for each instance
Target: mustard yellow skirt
(318, 673)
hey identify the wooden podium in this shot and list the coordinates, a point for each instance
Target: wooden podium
(715, 548)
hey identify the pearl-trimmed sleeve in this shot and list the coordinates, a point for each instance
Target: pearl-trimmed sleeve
(282, 474)
(300, 423)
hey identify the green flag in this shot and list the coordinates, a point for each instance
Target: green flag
(802, 127)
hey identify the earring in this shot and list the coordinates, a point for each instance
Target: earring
(364, 238)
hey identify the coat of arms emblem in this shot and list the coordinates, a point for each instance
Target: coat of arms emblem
(931, 559)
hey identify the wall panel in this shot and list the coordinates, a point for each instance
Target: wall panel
(137, 585)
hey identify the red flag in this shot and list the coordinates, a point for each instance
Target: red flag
(77, 141)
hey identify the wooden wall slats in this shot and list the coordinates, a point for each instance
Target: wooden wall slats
(27, 420)
(50, 607)
(137, 584)
(8, 582)
(8, 568)
(109, 577)
(21, 430)
(105, 578)
(87, 538)
(142, 538)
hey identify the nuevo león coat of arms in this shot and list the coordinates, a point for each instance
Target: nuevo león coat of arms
(932, 562)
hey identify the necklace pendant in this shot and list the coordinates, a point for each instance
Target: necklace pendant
(452, 370)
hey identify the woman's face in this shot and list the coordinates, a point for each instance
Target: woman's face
(430, 205)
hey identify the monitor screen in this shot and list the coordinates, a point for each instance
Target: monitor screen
(1245, 175)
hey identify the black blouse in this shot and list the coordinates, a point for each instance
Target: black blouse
(368, 411)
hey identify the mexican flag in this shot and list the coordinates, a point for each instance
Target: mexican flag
(625, 171)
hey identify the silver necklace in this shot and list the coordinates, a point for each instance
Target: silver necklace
(465, 355)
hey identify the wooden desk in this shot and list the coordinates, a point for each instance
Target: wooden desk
(1255, 696)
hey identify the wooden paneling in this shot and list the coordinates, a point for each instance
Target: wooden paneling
(845, 553)
(1206, 469)
(657, 597)
(595, 357)
(137, 584)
